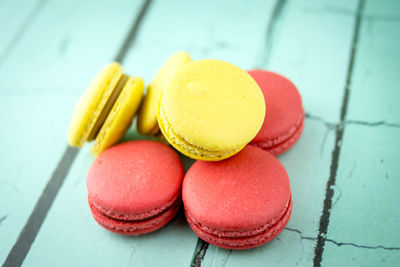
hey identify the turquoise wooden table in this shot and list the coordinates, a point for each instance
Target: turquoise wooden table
(344, 56)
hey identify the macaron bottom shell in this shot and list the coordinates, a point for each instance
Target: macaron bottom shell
(220, 238)
(135, 227)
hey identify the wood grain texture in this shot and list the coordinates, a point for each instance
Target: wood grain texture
(287, 249)
(36, 85)
(15, 19)
(234, 32)
(335, 255)
(51, 50)
(336, 152)
(176, 243)
(312, 47)
(66, 45)
(365, 214)
(78, 240)
(308, 162)
(27, 164)
(375, 90)
(367, 186)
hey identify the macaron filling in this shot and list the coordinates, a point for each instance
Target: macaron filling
(135, 227)
(135, 216)
(107, 107)
(285, 145)
(243, 232)
(121, 115)
(185, 146)
(227, 239)
(282, 138)
(284, 117)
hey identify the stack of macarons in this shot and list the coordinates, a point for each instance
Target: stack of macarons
(237, 195)
(135, 187)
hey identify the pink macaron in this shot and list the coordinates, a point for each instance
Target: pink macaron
(240, 202)
(284, 118)
(134, 187)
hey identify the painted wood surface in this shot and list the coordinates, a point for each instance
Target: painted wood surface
(207, 29)
(365, 216)
(40, 81)
(52, 49)
(367, 186)
(15, 17)
(144, 60)
(375, 91)
(300, 53)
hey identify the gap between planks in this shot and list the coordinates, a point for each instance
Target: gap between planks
(28, 234)
(326, 212)
(202, 246)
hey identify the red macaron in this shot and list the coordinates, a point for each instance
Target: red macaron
(240, 202)
(134, 187)
(284, 118)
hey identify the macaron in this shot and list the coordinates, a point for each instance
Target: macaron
(134, 187)
(284, 119)
(210, 109)
(147, 117)
(106, 109)
(238, 203)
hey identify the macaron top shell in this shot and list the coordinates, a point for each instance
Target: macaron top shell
(135, 177)
(147, 118)
(92, 102)
(242, 193)
(212, 105)
(284, 112)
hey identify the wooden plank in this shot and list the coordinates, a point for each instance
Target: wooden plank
(307, 183)
(384, 9)
(15, 18)
(312, 47)
(29, 156)
(366, 199)
(343, 255)
(65, 47)
(237, 37)
(39, 86)
(173, 245)
(375, 94)
(299, 53)
(288, 250)
(367, 184)
(77, 240)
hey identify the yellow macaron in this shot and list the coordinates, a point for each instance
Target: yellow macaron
(147, 118)
(106, 109)
(210, 109)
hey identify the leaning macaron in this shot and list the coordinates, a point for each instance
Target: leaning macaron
(134, 187)
(238, 203)
(147, 117)
(106, 109)
(284, 119)
(210, 110)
